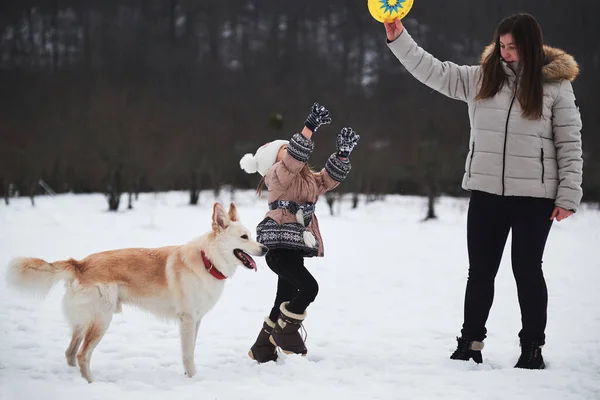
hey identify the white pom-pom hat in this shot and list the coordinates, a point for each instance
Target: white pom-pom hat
(264, 158)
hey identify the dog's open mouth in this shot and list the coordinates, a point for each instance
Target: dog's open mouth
(245, 259)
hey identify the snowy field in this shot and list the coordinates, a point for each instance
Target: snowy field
(382, 327)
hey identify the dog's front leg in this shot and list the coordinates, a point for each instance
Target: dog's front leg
(196, 335)
(187, 331)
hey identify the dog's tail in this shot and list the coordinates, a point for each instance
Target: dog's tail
(38, 276)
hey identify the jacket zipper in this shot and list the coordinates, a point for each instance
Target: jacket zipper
(506, 133)
(543, 167)
(471, 160)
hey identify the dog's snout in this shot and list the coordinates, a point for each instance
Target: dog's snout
(264, 250)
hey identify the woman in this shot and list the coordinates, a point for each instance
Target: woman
(524, 166)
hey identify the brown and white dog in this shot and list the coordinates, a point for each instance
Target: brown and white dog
(176, 282)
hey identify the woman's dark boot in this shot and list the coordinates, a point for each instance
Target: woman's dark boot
(531, 356)
(468, 349)
(285, 334)
(263, 350)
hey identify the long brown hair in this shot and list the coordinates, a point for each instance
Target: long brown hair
(306, 173)
(527, 35)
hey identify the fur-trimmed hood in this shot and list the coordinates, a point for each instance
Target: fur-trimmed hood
(559, 65)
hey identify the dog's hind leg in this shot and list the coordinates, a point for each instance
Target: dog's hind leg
(89, 309)
(78, 315)
(74, 345)
(187, 331)
(93, 334)
(118, 306)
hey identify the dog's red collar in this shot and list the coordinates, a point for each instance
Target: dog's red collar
(211, 267)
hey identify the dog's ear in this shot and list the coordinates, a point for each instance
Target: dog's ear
(220, 220)
(233, 212)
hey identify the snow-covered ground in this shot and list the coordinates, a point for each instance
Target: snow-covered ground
(382, 327)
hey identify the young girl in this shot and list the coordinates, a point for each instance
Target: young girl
(290, 229)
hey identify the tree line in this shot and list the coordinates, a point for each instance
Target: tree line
(152, 95)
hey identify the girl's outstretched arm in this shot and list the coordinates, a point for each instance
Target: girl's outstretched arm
(298, 151)
(338, 165)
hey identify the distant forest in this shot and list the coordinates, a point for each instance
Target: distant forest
(154, 95)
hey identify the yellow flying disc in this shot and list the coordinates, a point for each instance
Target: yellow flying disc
(389, 10)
